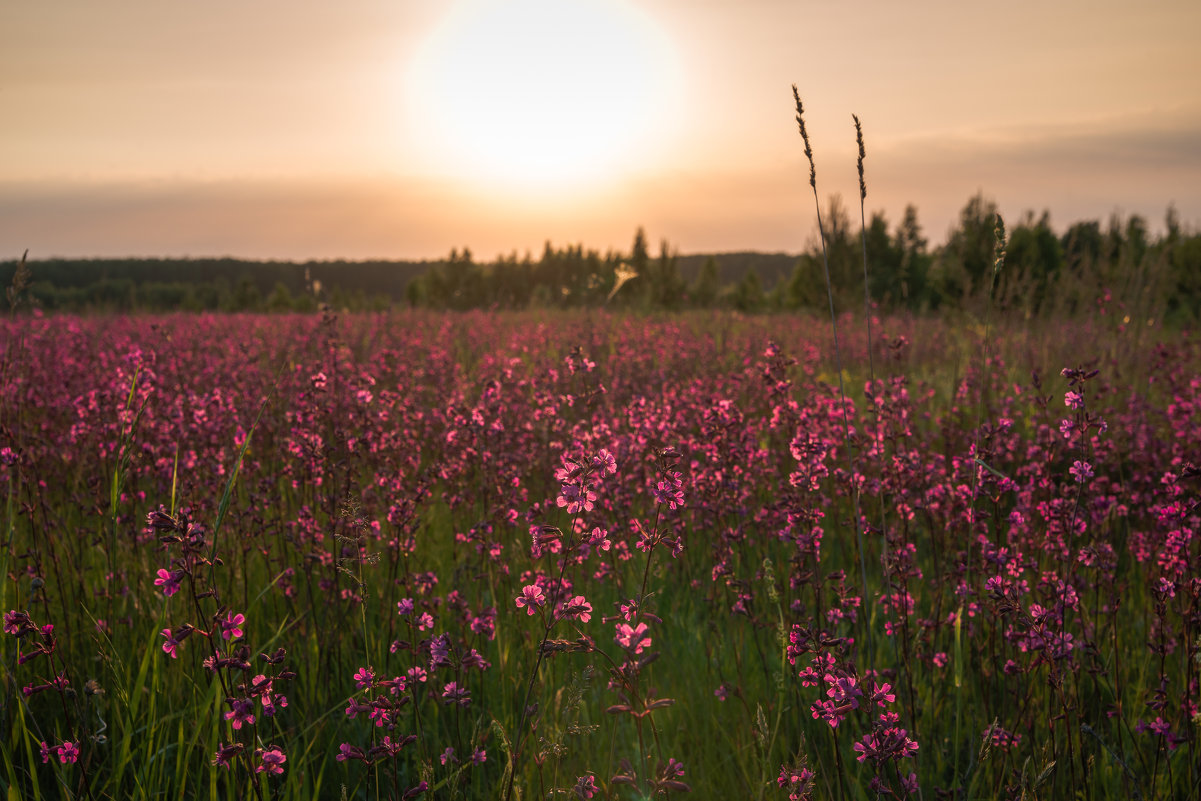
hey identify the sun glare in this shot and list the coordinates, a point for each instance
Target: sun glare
(541, 92)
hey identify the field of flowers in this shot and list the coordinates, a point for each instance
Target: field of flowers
(597, 556)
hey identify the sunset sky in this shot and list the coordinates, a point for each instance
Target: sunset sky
(402, 128)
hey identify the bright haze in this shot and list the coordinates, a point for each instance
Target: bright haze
(402, 128)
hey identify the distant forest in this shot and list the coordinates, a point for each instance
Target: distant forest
(1118, 263)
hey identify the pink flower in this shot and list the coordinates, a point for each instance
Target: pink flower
(13, 620)
(452, 693)
(364, 677)
(632, 638)
(170, 645)
(604, 462)
(1081, 471)
(576, 499)
(883, 694)
(272, 760)
(531, 596)
(272, 703)
(347, 751)
(585, 787)
(577, 609)
(669, 491)
(169, 581)
(353, 708)
(241, 713)
(231, 627)
(68, 752)
(225, 753)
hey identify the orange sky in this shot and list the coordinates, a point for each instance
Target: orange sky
(401, 129)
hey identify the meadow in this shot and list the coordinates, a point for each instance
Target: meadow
(593, 555)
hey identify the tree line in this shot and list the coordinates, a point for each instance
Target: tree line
(1045, 273)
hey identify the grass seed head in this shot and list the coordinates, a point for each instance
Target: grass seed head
(800, 121)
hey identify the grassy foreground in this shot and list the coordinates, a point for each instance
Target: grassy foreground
(597, 556)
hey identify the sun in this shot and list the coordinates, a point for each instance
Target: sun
(539, 92)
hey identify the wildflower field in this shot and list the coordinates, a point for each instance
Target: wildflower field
(541, 555)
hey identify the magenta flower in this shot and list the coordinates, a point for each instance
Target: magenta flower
(790, 776)
(867, 747)
(1081, 471)
(669, 491)
(1001, 738)
(272, 703)
(272, 760)
(264, 688)
(170, 645)
(452, 693)
(381, 716)
(604, 462)
(843, 690)
(347, 751)
(225, 753)
(364, 677)
(585, 787)
(447, 756)
(68, 752)
(353, 708)
(231, 627)
(531, 596)
(632, 638)
(169, 581)
(242, 712)
(883, 694)
(14, 620)
(440, 652)
(576, 499)
(577, 609)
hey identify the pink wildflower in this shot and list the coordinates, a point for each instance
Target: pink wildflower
(531, 596)
(68, 752)
(272, 760)
(169, 581)
(231, 626)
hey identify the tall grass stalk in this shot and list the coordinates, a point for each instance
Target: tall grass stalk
(871, 361)
(842, 394)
